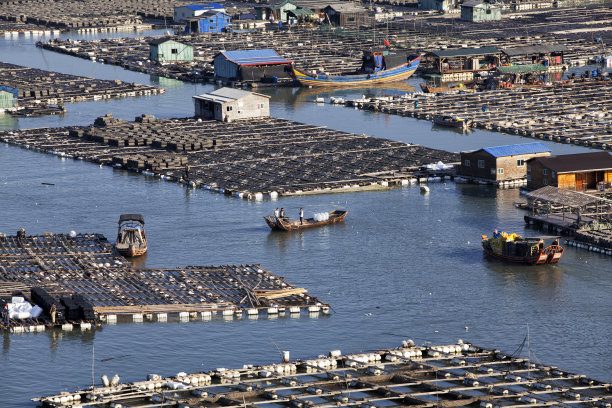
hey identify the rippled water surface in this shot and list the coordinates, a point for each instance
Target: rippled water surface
(403, 265)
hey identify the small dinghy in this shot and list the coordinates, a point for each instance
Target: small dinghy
(131, 237)
(285, 224)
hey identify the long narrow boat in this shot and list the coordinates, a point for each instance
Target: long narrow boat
(377, 67)
(131, 237)
(530, 251)
(285, 224)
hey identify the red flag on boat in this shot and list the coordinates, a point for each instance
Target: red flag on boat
(387, 43)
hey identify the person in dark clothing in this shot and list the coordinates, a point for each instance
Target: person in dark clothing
(5, 314)
(282, 213)
(186, 171)
(301, 216)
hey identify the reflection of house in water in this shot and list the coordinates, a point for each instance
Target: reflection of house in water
(582, 171)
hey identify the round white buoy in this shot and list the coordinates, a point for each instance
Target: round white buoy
(424, 189)
(73, 233)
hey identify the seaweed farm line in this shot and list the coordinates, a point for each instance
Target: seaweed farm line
(577, 113)
(450, 375)
(86, 265)
(247, 159)
(36, 86)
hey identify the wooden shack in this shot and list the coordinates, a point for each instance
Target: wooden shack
(461, 63)
(165, 49)
(275, 10)
(549, 55)
(252, 65)
(229, 104)
(477, 11)
(500, 163)
(580, 172)
(348, 15)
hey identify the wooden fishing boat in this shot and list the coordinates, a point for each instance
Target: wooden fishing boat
(377, 67)
(530, 251)
(450, 121)
(131, 237)
(285, 224)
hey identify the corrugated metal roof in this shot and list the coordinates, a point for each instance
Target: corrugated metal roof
(226, 95)
(466, 52)
(571, 163)
(207, 6)
(301, 12)
(254, 57)
(516, 149)
(161, 40)
(509, 69)
(14, 91)
(534, 49)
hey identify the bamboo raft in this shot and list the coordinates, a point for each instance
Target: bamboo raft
(86, 265)
(575, 113)
(244, 158)
(456, 375)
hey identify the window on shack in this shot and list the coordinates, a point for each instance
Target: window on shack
(229, 108)
(174, 51)
(520, 163)
(481, 164)
(467, 163)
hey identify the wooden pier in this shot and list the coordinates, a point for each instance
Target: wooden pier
(87, 265)
(38, 87)
(252, 159)
(455, 375)
(575, 113)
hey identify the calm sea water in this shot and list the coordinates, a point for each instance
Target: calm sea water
(403, 265)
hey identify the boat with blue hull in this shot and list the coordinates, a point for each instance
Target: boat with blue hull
(377, 67)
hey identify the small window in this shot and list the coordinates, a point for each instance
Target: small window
(528, 169)
(211, 20)
(350, 19)
(481, 164)
(500, 171)
(520, 163)
(467, 163)
(488, 11)
(174, 51)
(545, 182)
(529, 177)
(553, 174)
(229, 108)
(545, 172)
(492, 171)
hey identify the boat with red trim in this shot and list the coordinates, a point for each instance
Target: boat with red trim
(514, 248)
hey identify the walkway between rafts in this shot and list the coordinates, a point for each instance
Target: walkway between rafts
(456, 375)
(80, 273)
(249, 159)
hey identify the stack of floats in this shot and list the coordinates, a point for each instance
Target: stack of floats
(253, 159)
(84, 269)
(578, 113)
(37, 86)
(457, 375)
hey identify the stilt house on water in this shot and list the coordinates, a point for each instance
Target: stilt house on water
(582, 171)
(228, 104)
(252, 65)
(500, 163)
(165, 49)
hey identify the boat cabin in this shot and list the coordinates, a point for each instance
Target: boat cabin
(374, 61)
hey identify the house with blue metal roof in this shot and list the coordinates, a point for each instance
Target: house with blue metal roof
(500, 163)
(181, 13)
(252, 66)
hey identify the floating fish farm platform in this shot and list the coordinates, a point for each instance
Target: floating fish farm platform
(256, 158)
(456, 375)
(55, 269)
(577, 113)
(36, 86)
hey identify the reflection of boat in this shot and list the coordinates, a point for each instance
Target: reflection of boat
(131, 237)
(452, 121)
(514, 248)
(377, 67)
(434, 89)
(284, 224)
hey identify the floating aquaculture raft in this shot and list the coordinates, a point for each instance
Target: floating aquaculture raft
(459, 375)
(62, 267)
(243, 158)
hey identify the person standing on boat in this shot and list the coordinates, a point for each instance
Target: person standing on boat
(5, 314)
(186, 171)
(282, 213)
(52, 313)
(276, 213)
(301, 216)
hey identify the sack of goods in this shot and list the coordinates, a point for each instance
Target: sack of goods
(21, 309)
(321, 216)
